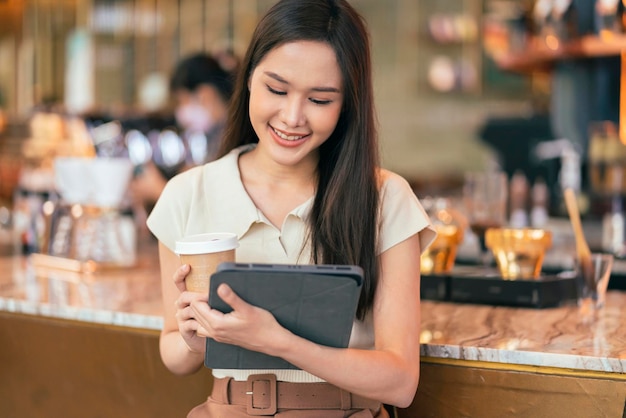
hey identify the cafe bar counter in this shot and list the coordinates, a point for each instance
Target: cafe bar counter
(86, 345)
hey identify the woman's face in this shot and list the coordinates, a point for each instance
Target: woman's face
(296, 96)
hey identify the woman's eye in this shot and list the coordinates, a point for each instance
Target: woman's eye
(320, 102)
(278, 92)
(284, 93)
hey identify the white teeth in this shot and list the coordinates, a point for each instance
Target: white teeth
(288, 137)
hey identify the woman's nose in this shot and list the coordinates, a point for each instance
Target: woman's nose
(293, 112)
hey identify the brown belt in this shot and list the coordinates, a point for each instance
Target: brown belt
(263, 395)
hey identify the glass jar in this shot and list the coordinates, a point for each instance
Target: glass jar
(449, 224)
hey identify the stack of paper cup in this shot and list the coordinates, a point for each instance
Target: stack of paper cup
(203, 252)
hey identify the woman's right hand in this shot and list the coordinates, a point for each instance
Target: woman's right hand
(185, 317)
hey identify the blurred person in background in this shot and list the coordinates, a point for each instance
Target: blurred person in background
(202, 89)
(201, 86)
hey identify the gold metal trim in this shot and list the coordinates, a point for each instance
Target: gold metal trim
(546, 370)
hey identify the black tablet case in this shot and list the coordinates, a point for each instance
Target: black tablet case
(316, 302)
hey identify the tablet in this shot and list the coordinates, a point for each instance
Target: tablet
(316, 302)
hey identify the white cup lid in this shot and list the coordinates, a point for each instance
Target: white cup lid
(213, 242)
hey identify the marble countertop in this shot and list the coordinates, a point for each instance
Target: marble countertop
(554, 337)
(128, 297)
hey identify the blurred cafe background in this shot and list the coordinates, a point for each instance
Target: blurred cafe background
(530, 88)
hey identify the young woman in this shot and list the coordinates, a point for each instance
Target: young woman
(299, 181)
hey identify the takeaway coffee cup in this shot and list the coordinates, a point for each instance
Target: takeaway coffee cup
(203, 252)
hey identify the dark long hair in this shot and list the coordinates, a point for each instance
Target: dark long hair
(344, 216)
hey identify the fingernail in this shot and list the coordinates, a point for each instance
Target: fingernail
(224, 290)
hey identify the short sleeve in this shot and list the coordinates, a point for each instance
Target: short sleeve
(402, 215)
(168, 218)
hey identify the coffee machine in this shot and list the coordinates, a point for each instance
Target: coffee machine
(89, 223)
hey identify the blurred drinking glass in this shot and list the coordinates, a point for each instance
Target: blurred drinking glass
(485, 197)
(591, 284)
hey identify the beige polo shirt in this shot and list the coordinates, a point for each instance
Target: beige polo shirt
(212, 198)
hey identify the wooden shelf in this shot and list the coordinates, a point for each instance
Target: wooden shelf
(538, 56)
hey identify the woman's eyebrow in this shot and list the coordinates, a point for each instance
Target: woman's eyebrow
(317, 89)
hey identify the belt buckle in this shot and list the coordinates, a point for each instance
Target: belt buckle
(250, 394)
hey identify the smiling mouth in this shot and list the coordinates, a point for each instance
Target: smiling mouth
(288, 137)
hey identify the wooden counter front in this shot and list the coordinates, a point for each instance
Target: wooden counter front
(62, 368)
(475, 389)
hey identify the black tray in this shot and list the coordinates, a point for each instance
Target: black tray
(618, 274)
(435, 287)
(476, 285)
(617, 282)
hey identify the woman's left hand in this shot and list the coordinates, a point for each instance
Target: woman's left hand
(246, 325)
